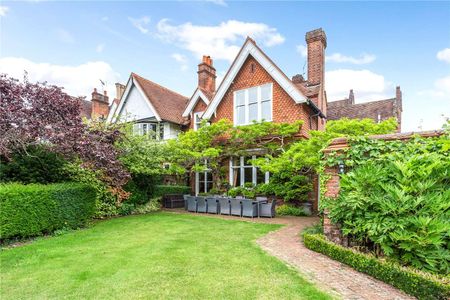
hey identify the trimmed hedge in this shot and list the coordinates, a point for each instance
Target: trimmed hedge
(161, 190)
(419, 284)
(36, 209)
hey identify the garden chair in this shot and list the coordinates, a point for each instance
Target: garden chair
(267, 209)
(224, 206)
(235, 207)
(240, 197)
(261, 198)
(249, 208)
(185, 197)
(191, 204)
(213, 206)
(202, 205)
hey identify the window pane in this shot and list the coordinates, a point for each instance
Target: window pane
(260, 176)
(240, 115)
(253, 112)
(265, 92)
(247, 161)
(209, 186)
(236, 161)
(252, 95)
(236, 177)
(209, 176)
(240, 98)
(201, 187)
(201, 176)
(266, 110)
(248, 175)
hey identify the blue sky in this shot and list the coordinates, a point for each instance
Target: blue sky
(372, 46)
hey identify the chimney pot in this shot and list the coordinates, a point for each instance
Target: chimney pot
(207, 74)
(351, 97)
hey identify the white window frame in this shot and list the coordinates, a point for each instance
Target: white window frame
(197, 179)
(246, 105)
(242, 166)
(197, 124)
(138, 129)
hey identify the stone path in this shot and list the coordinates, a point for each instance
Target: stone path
(330, 275)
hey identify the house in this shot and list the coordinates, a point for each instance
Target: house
(255, 89)
(378, 110)
(152, 107)
(98, 107)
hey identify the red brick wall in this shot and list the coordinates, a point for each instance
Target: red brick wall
(284, 108)
(99, 109)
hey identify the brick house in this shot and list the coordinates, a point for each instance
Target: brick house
(255, 89)
(378, 110)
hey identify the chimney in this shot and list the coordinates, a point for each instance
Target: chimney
(398, 107)
(120, 89)
(100, 105)
(351, 98)
(207, 75)
(316, 42)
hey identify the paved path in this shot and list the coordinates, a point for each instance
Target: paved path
(330, 275)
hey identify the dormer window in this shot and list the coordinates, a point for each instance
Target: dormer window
(253, 104)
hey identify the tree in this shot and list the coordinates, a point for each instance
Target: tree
(37, 114)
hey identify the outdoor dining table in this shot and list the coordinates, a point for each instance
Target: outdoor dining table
(258, 202)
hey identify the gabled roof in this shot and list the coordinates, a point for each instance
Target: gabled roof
(198, 94)
(250, 48)
(343, 109)
(166, 104)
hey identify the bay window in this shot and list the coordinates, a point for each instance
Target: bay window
(253, 104)
(156, 130)
(242, 172)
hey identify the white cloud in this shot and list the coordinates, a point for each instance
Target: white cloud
(3, 10)
(218, 2)
(441, 89)
(100, 48)
(222, 41)
(302, 50)
(77, 80)
(444, 55)
(65, 36)
(140, 23)
(340, 58)
(182, 60)
(368, 86)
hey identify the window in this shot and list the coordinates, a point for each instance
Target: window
(197, 120)
(156, 130)
(241, 172)
(253, 104)
(203, 180)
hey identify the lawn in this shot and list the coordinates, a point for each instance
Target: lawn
(160, 255)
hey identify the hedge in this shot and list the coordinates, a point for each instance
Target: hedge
(414, 282)
(161, 190)
(36, 209)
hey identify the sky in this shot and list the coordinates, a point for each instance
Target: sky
(371, 46)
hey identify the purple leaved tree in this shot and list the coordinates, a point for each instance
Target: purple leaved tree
(37, 113)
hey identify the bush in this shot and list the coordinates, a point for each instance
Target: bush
(402, 205)
(36, 165)
(161, 190)
(289, 210)
(35, 209)
(419, 284)
(151, 206)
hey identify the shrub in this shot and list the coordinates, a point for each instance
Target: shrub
(161, 190)
(402, 205)
(419, 284)
(36, 165)
(35, 209)
(289, 210)
(151, 206)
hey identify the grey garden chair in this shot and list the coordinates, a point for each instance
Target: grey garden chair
(185, 197)
(240, 197)
(235, 207)
(202, 205)
(191, 204)
(224, 206)
(249, 208)
(267, 209)
(261, 198)
(213, 206)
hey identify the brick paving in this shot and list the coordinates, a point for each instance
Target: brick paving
(329, 275)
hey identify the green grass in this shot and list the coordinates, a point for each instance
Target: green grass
(152, 256)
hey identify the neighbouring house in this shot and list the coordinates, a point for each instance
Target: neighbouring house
(151, 107)
(378, 110)
(98, 107)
